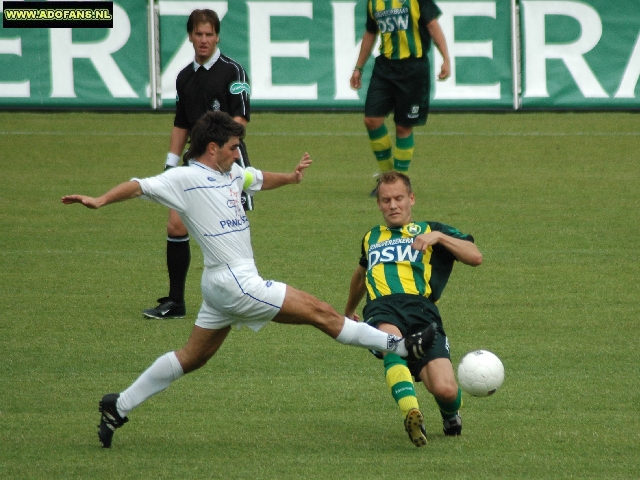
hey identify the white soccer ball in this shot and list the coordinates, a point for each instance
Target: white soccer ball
(480, 373)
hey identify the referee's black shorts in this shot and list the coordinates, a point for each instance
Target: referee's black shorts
(401, 86)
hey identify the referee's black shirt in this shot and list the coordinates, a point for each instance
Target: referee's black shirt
(201, 90)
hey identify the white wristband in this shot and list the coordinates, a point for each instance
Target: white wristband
(172, 160)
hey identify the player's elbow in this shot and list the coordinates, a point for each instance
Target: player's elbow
(475, 259)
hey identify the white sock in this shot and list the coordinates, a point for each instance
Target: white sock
(361, 334)
(154, 379)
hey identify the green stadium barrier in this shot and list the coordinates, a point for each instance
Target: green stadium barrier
(580, 54)
(299, 54)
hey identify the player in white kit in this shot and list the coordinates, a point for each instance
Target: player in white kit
(206, 194)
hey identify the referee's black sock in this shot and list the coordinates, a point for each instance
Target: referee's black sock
(178, 260)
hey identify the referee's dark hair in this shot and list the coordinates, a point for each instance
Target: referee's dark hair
(198, 17)
(214, 126)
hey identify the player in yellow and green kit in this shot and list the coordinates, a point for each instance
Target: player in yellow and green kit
(403, 270)
(401, 79)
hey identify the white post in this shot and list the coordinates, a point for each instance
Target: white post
(516, 72)
(154, 55)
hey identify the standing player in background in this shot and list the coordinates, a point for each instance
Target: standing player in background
(212, 82)
(401, 79)
(404, 268)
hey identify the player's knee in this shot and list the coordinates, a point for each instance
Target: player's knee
(403, 132)
(373, 123)
(446, 391)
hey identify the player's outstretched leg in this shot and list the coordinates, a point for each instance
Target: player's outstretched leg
(301, 308)
(450, 411)
(420, 343)
(110, 419)
(414, 425)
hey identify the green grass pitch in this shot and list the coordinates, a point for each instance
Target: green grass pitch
(553, 200)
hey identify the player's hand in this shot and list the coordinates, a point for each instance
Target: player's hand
(356, 80)
(305, 162)
(426, 240)
(88, 202)
(445, 71)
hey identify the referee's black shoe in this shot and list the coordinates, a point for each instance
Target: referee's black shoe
(166, 309)
(110, 419)
(420, 343)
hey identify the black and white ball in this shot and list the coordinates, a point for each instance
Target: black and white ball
(480, 373)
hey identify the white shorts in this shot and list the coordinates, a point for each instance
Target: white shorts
(235, 294)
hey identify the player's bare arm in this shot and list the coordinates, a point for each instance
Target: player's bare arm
(366, 47)
(357, 291)
(465, 251)
(441, 44)
(273, 180)
(124, 191)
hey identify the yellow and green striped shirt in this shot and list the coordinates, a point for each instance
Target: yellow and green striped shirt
(394, 267)
(402, 25)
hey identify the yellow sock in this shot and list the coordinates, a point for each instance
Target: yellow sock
(403, 153)
(381, 145)
(400, 383)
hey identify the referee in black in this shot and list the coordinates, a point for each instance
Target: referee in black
(212, 82)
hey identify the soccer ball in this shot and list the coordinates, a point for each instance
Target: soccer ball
(480, 373)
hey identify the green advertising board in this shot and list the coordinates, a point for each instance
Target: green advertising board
(580, 54)
(299, 54)
(79, 67)
(479, 39)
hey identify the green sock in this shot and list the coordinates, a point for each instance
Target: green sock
(403, 153)
(450, 410)
(381, 145)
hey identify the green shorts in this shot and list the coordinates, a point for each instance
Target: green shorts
(401, 86)
(411, 314)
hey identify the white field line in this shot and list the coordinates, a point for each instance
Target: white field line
(343, 134)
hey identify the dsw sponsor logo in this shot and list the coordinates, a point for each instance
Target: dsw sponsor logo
(395, 253)
(392, 20)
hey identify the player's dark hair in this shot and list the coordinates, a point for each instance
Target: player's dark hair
(213, 126)
(198, 17)
(393, 177)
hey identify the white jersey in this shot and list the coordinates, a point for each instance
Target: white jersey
(209, 205)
